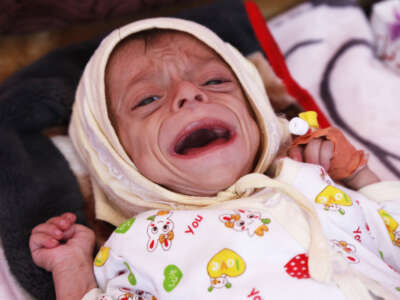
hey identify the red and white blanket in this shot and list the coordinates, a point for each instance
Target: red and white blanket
(329, 51)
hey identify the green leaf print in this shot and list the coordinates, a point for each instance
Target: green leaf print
(266, 221)
(131, 277)
(172, 276)
(124, 227)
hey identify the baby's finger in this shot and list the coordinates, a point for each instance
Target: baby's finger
(296, 153)
(49, 229)
(326, 154)
(64, 221)
(69, 233)
(70, 216)
(41, 240)
(312, 151)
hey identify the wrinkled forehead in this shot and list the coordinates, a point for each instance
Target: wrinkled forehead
(155, 41)
(161, 45)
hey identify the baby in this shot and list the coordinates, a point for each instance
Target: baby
(176, 130)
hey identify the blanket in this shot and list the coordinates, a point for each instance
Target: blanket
(330, 51)
(36, 182)
(37, 15)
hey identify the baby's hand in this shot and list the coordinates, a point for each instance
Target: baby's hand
(61, 244)
(329, 148)
(318, 151)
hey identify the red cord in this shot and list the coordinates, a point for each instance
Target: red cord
(277, 61)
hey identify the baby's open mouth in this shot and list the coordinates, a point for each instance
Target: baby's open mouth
(201, 139)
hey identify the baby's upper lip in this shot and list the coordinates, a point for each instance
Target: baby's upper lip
(219, 126)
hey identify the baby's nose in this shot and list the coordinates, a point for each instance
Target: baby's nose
(187, 93)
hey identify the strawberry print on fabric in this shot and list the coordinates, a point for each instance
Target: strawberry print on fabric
(297, 267)
(223, 265)
(160, 230)
(245, 220)
(333, 199)
(348, 251)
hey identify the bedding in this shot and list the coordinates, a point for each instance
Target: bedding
(9, 287)
(329, 50)
(36, 181)
(31, 16)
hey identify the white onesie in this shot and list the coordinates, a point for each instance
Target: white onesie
(255, 247)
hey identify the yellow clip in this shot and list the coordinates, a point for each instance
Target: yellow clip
(310, 117)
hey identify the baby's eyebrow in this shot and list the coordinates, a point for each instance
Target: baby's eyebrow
(142, 76)
(136, 79)
(215, 61)
(149, 74)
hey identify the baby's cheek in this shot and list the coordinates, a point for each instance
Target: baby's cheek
(255, 135)
(149, 168)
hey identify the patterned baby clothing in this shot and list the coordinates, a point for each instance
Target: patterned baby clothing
(258, 246)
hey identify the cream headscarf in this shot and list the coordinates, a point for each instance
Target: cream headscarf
(120, 190)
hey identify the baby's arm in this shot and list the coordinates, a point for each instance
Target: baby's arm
(321, 150)
(362, 178)
(66, 249)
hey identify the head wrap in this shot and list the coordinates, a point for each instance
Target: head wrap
(120, 191)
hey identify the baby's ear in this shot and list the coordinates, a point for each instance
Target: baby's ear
(276, 90)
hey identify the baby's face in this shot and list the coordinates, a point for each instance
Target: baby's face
(180, 114)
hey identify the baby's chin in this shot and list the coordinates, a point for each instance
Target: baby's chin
(205, 188)
(212, 175)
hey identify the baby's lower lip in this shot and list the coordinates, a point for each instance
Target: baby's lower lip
(200, 151)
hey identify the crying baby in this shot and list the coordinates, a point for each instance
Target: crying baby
(177, 131)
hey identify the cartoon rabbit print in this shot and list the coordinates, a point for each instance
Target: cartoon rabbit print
(348, 251)
(160, 231)
(244, 220)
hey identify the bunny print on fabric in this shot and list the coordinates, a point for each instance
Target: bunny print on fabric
(160, 231)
